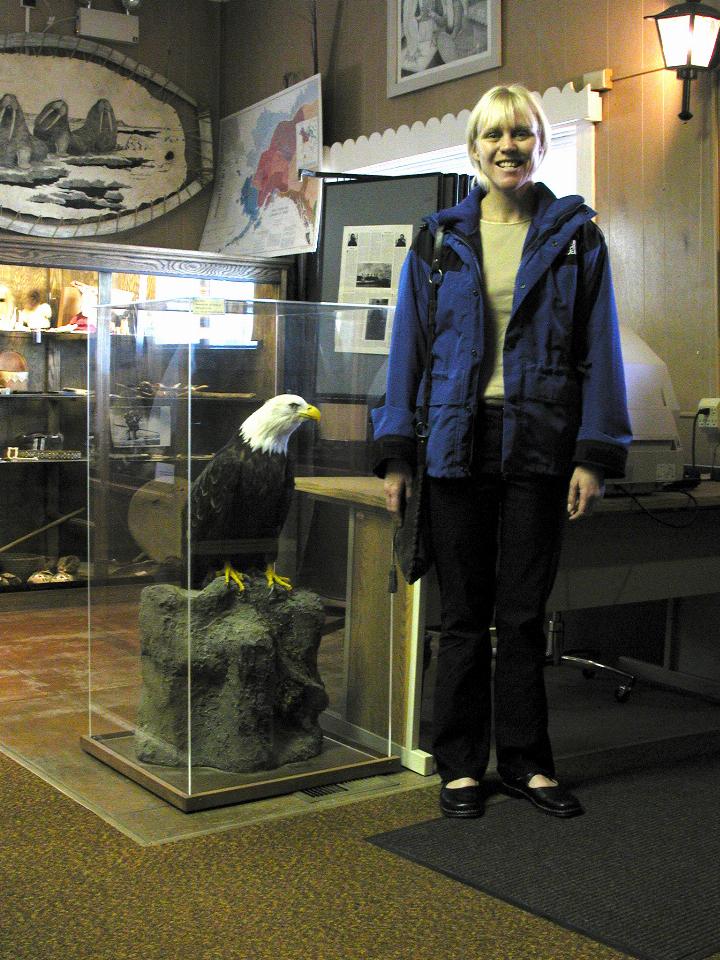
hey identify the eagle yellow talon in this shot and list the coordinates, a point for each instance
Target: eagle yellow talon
(273, 580)
(232, 574)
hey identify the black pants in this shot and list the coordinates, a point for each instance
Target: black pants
(496, 541)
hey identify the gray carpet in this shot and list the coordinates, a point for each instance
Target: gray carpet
(639, 872)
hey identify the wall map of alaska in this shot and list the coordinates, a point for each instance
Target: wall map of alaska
(260, 205)
(276, 173)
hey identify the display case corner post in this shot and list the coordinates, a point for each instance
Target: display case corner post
(99, 400)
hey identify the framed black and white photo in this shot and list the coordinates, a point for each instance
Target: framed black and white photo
(431, 41)
(137, 425)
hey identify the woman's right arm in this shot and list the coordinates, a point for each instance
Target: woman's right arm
(394, 420)
(397, 487)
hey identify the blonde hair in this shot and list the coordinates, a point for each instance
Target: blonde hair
(507, 105)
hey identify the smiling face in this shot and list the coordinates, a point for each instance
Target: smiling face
(507, 137)
(508, 154)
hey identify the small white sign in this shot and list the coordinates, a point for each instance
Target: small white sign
(205, 306)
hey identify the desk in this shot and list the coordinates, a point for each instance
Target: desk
(618, 556)
(621, 556)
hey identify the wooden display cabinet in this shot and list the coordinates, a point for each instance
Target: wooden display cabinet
(45, 514)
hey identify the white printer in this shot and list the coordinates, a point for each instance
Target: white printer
(656, 458)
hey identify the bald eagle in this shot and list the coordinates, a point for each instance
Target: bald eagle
(239, 503)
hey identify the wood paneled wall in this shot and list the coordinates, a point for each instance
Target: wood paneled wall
(657, 203)
(656, 177)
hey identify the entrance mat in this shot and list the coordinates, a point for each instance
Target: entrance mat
(640, 871)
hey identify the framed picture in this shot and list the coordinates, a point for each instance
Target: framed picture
(431, 41)
(135, 426)
(93, 142)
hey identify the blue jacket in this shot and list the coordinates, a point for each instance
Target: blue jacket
(565, 398)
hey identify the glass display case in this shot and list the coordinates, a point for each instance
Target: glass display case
(241, 629)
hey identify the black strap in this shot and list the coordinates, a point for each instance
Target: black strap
(435, 279)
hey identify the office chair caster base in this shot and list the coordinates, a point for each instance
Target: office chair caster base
(590, 668)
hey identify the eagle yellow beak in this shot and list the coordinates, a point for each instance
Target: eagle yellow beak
(312, 413)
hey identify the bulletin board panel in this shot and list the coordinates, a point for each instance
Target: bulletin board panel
(358, 377)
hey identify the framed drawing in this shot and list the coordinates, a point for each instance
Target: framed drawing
(138, 426)
(92, 142)
(431, 41)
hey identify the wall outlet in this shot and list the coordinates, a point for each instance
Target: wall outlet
(710, 420)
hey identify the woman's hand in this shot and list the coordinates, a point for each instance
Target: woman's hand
(586, 488)
(397, 487)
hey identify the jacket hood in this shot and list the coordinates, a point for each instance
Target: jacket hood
(551, 211)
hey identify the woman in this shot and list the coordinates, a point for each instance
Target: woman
(527, 417)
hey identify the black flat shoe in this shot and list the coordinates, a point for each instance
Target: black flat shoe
(461, 802)
(557, 801)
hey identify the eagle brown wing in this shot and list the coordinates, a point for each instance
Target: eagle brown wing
(238, 507)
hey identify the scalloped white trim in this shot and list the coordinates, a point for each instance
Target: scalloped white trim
(561, 106)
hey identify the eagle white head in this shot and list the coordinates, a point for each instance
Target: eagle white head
(270, 427)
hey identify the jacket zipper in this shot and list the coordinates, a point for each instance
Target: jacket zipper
(534, 245)
(478, 270)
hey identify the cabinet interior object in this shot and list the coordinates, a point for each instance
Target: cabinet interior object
(43, 457)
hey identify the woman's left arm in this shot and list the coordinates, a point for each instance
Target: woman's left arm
(604, 434)
(586, 488)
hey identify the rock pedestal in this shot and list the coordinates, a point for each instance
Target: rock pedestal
(246, 665)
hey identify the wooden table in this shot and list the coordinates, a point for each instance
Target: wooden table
(380, 627)
(619, 556)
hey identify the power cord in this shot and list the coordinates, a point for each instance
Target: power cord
(658, 519)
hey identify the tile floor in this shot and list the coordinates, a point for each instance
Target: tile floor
(44, 703)
(47, 672)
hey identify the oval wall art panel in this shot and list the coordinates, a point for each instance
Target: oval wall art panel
(92, 142)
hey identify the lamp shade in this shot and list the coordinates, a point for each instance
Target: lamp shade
(688, 35)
